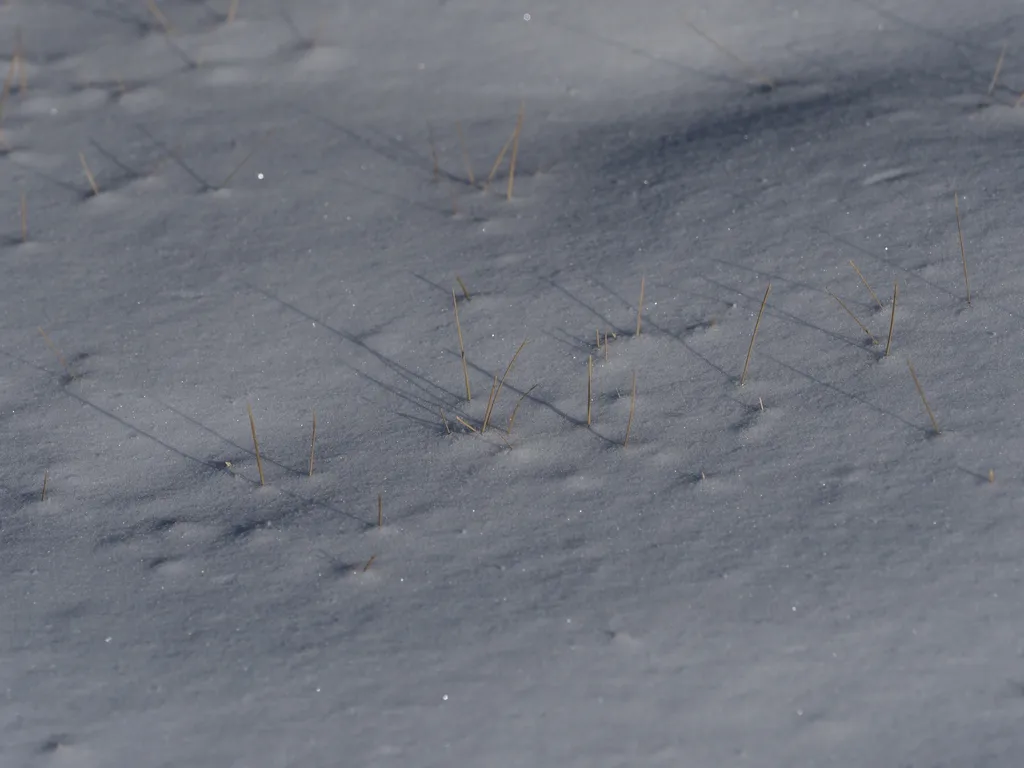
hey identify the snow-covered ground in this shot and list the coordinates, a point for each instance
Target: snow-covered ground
(793, 572)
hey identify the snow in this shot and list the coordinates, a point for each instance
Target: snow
(796, 571)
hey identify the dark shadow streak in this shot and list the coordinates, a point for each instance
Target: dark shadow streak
(429, 388)
(398, 153)
(534, 399)
(168, 152)
(649, 323)
(608, 324)
(312, 503)
(882, 260)
(717, 78)
(976, 475)
(773, 310)
(242, 449)
(844, 393)
(429, 407)
(131, 172)
(899, 268)
(775, 276)
(446, 291)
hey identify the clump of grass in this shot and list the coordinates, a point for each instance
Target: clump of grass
(497, 389)
(255, 444)
(753, 336)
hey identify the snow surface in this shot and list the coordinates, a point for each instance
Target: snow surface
(795, 572)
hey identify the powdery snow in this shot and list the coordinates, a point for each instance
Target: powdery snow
(793, 572)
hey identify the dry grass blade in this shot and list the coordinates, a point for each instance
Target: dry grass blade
(444, 420)
(46, 480)
(232, 11)
(640, 306)
(490, 403)
(465, 155)
(753, 336)
(57, 352)
(999, 68)
(380, 511)
(892, 317)
(24, 218)
(312, 446)
(159, 16)
(466, 424)
(920, 391)
(515, 151)
(512, 416)
(497, 392)
(632, 410)
(855, 318)
(7, 87)
(963, 251)
(255, 444)
(88, 174)
(866, 284)
(369, 563)
(497, 162)
(462, 285)
(462, 348)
